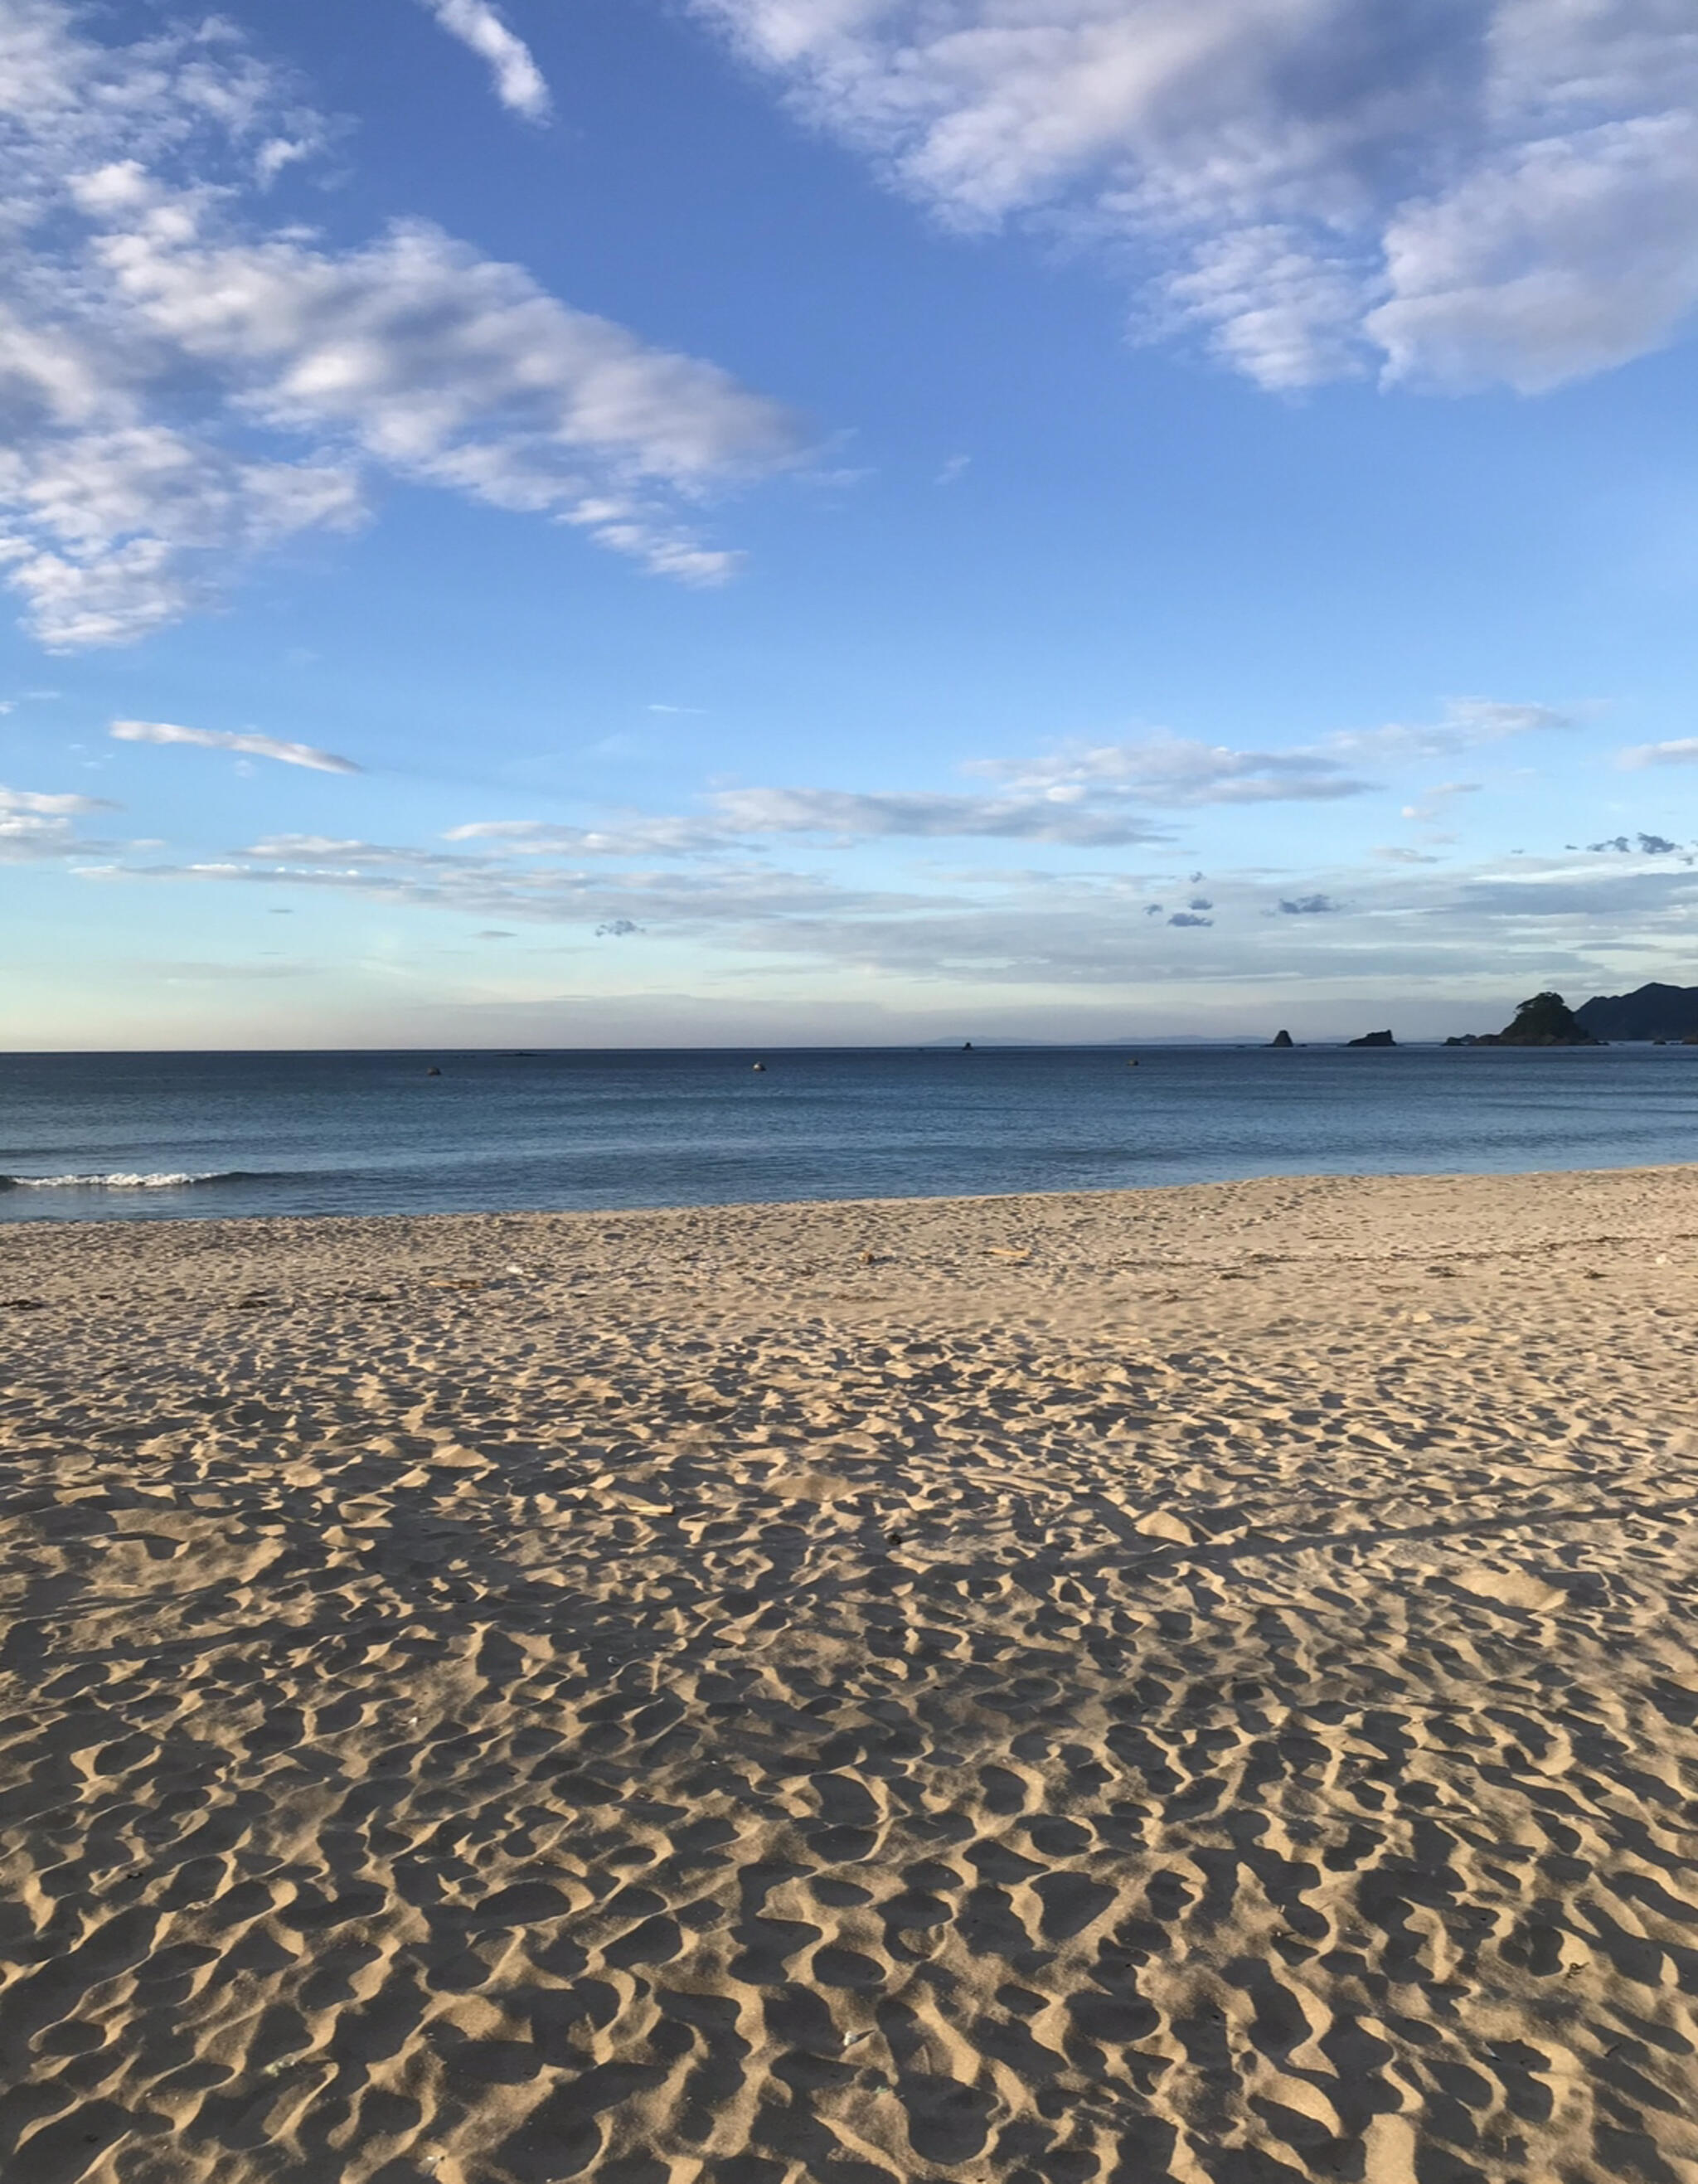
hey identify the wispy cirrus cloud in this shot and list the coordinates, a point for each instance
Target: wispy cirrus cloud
(1447, 195)
(245, 741)
(519, 83)
(190, 382)
(33, 804)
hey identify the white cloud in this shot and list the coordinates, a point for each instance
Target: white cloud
(13, 800)
(184, 386)
(1591, 923)
(251, 746)
(742, 815)
(853, 815)
(518, 80)
(1076, 794)
(1448, 193)
(36, 824)
(726, 896)
(1466, 724)
(1272, 309)
(1682, 751)
(1178, 771)
(1434, 799)
(121, 531)
(445, 366)
(636, 836)
(26, 835)
(1563, 258)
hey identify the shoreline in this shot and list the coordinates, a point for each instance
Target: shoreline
(235, 1138)
(1291, 1179)
(1181, 1682)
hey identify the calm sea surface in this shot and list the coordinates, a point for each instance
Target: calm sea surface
(151, 1137)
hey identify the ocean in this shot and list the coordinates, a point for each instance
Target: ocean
(169, 1136)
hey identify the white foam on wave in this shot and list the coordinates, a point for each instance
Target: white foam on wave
(120, 1182)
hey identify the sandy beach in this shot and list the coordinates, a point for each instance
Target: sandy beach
(1194, 1683)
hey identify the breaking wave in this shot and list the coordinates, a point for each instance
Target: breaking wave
(119, 1182)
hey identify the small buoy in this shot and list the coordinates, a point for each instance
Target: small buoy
(1132, 1065)
(760, 1065)
(433, 1071)
(967, 1046)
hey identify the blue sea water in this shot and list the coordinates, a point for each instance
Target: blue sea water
(148, 1137)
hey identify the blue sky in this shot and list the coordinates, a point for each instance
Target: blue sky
(605, 521)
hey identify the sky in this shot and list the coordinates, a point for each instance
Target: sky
(698, 522)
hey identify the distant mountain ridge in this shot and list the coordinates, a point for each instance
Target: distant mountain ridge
(1652, 1011)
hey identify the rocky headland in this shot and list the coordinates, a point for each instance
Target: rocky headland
(1651, 1012)
(1544, 1020)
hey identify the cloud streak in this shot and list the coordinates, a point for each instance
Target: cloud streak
(34, 805)
(244, 741)
(1683, 751)
(849, 816)
(1594, 922)
(1465, 724)
(518, 80)
(1179, 772)
(36, 824)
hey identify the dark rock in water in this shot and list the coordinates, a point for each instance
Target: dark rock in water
(1282, 1039)
(1545, 1020)
(433, 1071)
(1373, 1038)
(1653, 1011)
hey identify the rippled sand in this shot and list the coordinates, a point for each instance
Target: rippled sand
(1193, 1684)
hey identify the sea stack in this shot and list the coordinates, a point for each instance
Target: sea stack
(1373, 1038)
(1282, 1039)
